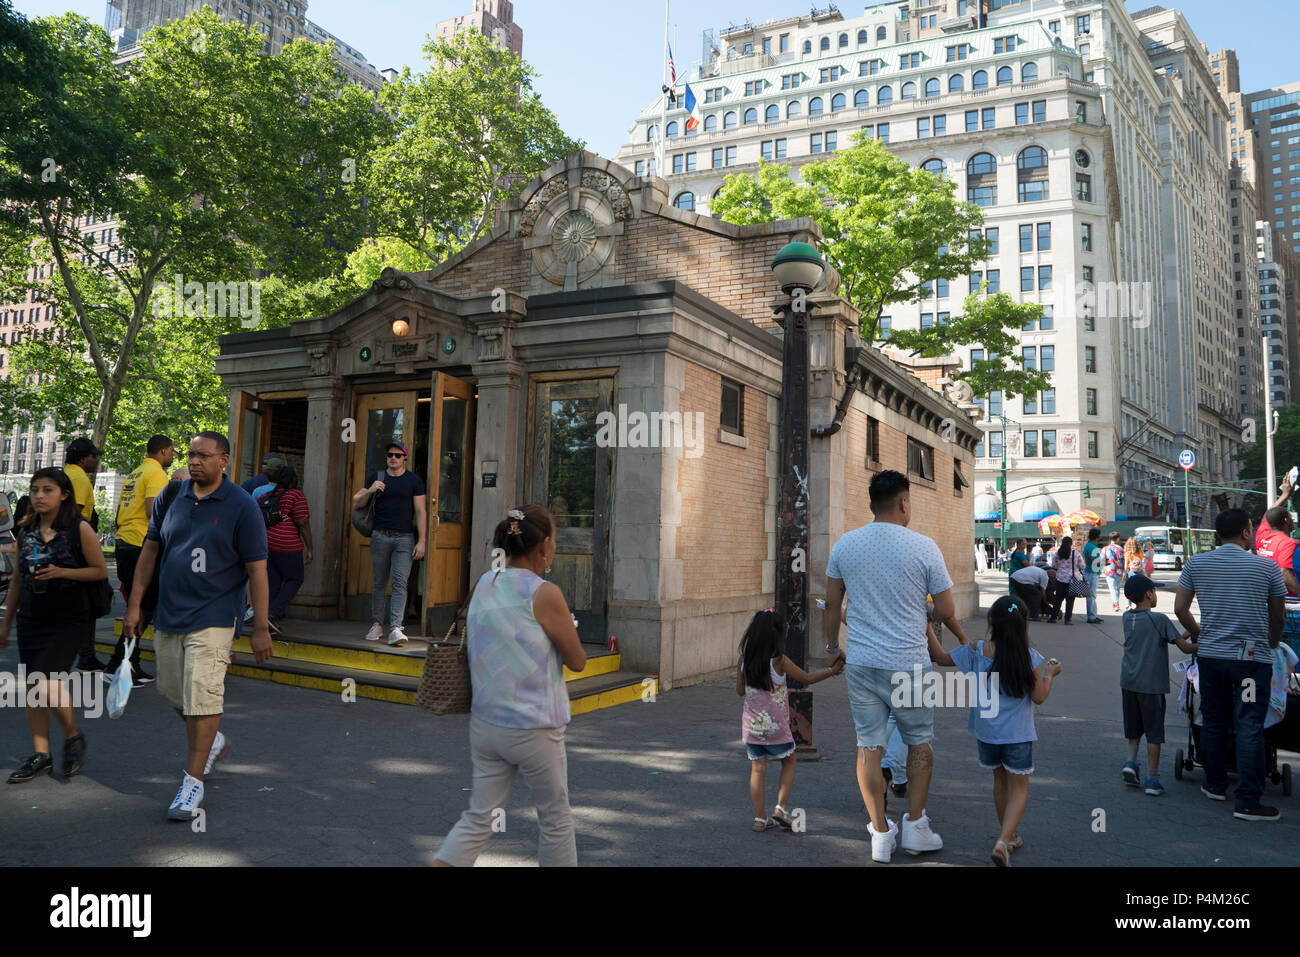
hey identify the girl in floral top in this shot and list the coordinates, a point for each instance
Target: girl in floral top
(761, 681)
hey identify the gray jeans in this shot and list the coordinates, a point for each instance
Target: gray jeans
(390, 551)
(498, 754)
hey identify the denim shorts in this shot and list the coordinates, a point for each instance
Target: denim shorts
(778, 752)
(1016, 758)
(870, 691)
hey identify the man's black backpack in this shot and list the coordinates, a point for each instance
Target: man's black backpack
(269, 503)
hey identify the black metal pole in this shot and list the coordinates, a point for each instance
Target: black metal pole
(792, 510)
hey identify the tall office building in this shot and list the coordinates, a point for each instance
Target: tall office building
(1274, 117)
(279, 21)
(1243, 203)
(492, 18)
(1096, 144)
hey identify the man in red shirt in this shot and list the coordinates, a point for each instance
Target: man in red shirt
(1273, 538)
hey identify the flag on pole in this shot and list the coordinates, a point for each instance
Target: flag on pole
(694, 120)
(670, 90)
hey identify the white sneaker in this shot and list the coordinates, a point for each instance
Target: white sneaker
(883, 845)
(917, 836)
(397, 637)
(248, 613)
(375, 633)
(220, 748)
(188, 799)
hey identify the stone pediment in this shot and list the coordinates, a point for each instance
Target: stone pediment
(404, 323)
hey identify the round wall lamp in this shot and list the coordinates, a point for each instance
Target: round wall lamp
(401, 327)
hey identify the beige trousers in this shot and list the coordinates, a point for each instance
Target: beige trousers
(498, 754)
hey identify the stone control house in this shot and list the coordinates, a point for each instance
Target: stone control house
(618, 360)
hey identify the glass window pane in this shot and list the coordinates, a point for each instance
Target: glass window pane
(572, 478)
(451, 461)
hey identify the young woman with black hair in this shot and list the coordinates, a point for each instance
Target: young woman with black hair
(53, 612)
(521, 636)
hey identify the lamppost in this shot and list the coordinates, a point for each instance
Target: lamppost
(798, 269)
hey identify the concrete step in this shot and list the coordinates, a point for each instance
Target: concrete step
(346, 647)
(393, 674)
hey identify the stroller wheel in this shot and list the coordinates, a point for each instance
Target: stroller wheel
(1286, 780)
(1178, 764)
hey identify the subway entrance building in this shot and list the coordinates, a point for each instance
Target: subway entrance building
(619, 361)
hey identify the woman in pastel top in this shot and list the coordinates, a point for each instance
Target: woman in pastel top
(520, 637)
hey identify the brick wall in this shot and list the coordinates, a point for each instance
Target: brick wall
(735, 273)
(722, 541)
(937, 512)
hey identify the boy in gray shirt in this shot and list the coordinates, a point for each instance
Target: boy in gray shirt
(1144, 679)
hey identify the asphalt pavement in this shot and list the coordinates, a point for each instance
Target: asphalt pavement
(313, 780)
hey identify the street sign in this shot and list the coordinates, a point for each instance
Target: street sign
(1187, 459)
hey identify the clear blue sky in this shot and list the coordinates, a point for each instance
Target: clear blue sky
(601, 63)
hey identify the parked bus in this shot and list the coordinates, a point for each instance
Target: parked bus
(1168, 543)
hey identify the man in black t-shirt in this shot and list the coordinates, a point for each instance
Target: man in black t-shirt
(393, 546)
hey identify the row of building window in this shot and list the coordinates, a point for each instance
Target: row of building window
(1033, 447)
(839, 101)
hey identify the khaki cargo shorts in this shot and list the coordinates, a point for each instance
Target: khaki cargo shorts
(192, 669)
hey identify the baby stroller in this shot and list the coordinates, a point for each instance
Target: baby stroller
(1285, 734)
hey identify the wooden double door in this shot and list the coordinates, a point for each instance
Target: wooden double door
(437, 426)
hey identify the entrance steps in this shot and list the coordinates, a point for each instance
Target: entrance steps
(325, 655)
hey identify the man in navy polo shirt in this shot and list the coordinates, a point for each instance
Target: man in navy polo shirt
(208, 541)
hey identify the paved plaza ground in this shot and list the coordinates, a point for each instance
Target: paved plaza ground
(314, 780)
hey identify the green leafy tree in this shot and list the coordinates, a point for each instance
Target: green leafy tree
(891, 231)
(471, 133)
(1286, 453)
(218, 161)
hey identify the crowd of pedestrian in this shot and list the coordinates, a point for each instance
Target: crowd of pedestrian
(196, 555)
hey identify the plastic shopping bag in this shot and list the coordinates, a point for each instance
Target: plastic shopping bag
(119, 689)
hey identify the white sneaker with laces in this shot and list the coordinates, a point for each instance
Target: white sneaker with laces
(248, 613)
(375, 633)
(220, 748)
(188, 799)
(397, 637)
(883, 845)
(917, 836)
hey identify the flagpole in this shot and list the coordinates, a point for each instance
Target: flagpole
(663, 112)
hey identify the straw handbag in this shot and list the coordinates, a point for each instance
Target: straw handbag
(445, 684)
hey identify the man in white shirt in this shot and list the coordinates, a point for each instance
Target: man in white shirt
(1030, 584)
(1036, 555)
(887, 572)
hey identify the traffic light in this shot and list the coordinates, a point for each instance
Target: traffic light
(999, 483)
(1087, 490)
(1119, 496)
(1160, 500)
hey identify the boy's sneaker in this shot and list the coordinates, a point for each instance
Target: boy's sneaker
(1260, 813)
(397, 636)
(1153, 787)
(139, 679)
(188, 798)
(1213, 795)
(220, 748)
(273, 626)
(375, 633)
(36, 764)
(883, 845)
(917, 836)
(1132, 773)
